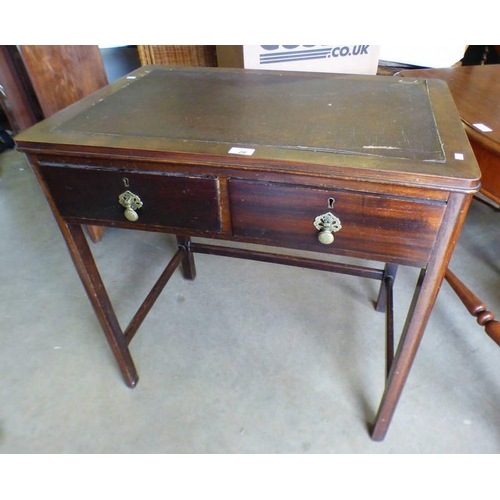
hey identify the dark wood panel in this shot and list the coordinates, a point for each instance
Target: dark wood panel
(377, 227)
(170, 201)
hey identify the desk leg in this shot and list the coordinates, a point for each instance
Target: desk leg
(385, 303)
(92, 282)
(188, 267)
(423, 301)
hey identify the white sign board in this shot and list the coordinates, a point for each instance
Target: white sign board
(428, 56)
(352, 59)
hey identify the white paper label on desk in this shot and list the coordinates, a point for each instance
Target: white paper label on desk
(482, 127)
(459, 156)
(241, 151)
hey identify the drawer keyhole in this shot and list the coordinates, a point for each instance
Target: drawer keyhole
(331, 201)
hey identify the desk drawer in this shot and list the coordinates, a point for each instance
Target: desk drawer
(372, 226)
(170, 201)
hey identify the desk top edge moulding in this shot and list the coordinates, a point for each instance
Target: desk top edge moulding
(373, 168)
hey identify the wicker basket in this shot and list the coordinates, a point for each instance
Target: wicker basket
(178, 55)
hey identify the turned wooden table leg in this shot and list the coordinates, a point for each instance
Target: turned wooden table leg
(475, 306)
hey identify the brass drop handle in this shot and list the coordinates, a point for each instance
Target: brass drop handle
(327, 224)
(131, 202)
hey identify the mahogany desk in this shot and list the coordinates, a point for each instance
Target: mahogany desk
(368, 167)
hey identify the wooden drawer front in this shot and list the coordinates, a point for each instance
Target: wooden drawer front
(170, 201)
(373, 227)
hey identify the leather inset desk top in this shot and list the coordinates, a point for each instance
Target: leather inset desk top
(306, 113)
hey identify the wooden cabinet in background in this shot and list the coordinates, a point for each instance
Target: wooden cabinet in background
(40, 80)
